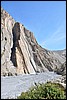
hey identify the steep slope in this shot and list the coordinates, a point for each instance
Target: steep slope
(20, 52)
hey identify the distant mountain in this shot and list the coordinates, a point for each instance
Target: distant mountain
(61, 52)
(20, 52)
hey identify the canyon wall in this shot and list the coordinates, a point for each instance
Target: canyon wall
(20, 52)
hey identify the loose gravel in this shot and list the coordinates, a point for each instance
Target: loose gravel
(13, 86)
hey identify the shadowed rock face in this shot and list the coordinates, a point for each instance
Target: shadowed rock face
(16, 32)
(16, 37)
(20, 52)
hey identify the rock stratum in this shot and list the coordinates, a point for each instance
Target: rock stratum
(21, 54)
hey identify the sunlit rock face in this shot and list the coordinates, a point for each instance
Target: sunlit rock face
(20, 52)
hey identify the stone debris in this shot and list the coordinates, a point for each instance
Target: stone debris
(13, 86)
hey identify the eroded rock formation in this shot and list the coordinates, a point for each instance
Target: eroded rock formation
(20, 52)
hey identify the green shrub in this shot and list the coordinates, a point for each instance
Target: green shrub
(45, 91)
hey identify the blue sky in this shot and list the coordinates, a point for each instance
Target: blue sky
(46, 19)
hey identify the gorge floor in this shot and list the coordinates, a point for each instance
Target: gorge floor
(12, 86)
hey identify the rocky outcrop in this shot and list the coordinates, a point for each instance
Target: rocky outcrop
(7, 23)
(20, 52)
(62, 69)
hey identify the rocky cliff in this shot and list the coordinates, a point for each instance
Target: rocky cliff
(20, 52)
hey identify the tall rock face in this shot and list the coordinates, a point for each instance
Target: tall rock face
(20, 52)
(7, 23)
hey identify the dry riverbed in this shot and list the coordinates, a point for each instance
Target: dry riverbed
(12, 86)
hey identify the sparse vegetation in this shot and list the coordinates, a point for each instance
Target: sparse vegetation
(45, 91)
